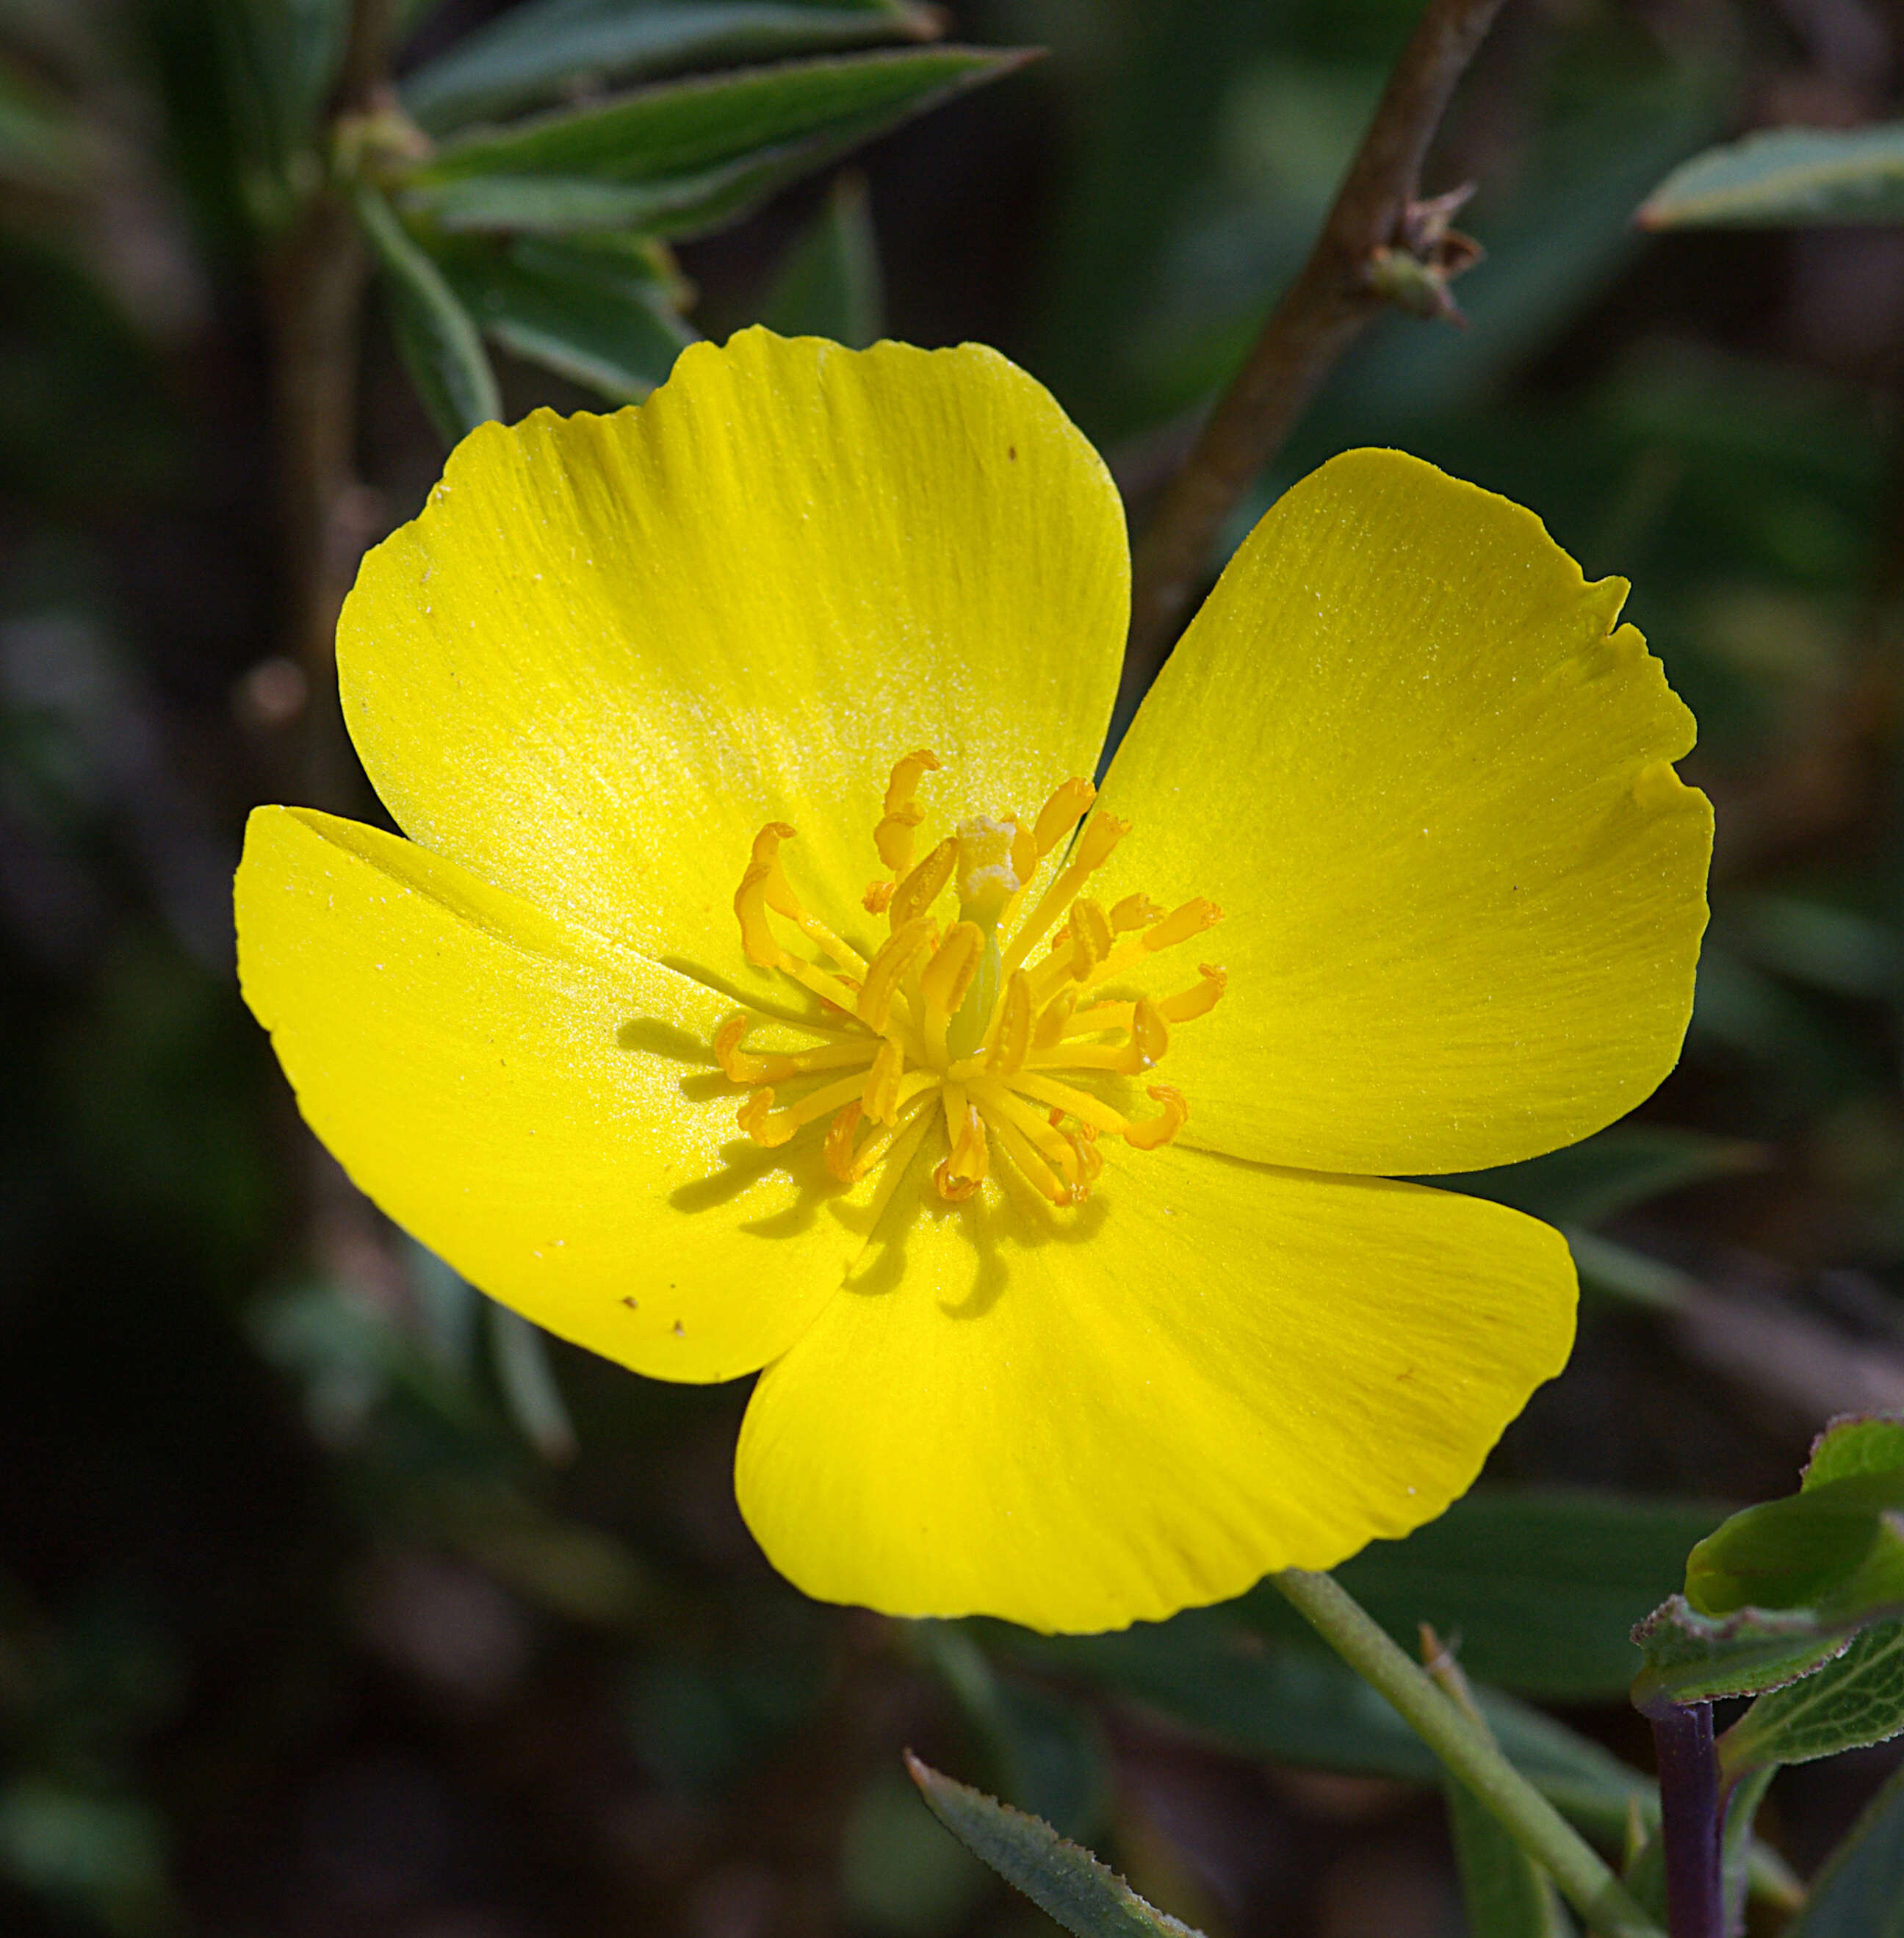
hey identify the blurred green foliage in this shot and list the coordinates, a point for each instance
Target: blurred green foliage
(308, 1616)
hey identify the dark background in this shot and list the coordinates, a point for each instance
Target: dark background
(307, 1624)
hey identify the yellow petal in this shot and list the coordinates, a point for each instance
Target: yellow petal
(1211, 1370)
(612, 647)
(1410, 752)
(539, 1106)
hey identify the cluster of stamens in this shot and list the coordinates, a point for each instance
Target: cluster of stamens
(1013, 1052)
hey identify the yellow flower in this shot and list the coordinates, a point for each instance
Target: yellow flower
(1036, 1344)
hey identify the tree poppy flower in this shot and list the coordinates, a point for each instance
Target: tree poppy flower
(762, 987)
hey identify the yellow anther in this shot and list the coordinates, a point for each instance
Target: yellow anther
(839, 1147)
(750, 906)
(1024, 851)
(1192, 918)
(959, 1025)
(1154, 1132)
(1091, 937)
(986, 879)
(756, 1117)
(780, 897)
(880, 1099)
(739, 1065)
(1051, 1025)
(1088, 1159)
(1150, 1037)
(921, 888)
(1102, 833)
(1014, 1038)
(948, 975)
(906, 772)
(965, 1170)
(903, 947)
(892, 837)
(1061, 814)
(1197, 1001)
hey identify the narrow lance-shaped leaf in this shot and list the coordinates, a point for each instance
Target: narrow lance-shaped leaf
(1298, 1705)
(1741, 1809)
(1861, 1892)
(1615, 1171)
(688, 127)
(528, 1385)
(673, 205)
(1541, 1585)
(593, 311)
(1786, 178)
(1505, 1894)
(1047, 1753)
(828, 284)
(549, 49)
(441, 347)
(1062, 1878)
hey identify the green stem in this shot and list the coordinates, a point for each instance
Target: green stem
(1469, 1755)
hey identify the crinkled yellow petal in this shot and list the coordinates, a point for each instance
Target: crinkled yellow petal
(1426, 775)
(612, 647)
(1210, 1370)
(536, 1105)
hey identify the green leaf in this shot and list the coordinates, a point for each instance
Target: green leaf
(674, 206)
(553, 49)
(1841, 951)
(1860, 1893)
(528, 1389)
(1617, 1172)
(1691, 1657)
(1046, 1755)
(1297, 1705)
(1855, 1444)
(595, 311)
(1542, 1588)
(1062, 1878)
(43, 143)
(101, 1856)
(282, 59)
(1505, 1894)
(1837, 1547)
(1617, 1272)
(1735, 1844)
(1851, 1702)
(828, 284)
(1786, 178)
(441, 348)
(676, 138)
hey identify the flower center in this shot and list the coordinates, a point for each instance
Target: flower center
(958, 1024)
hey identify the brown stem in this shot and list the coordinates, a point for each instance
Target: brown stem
(1322, 312)
(315, 274)
(314, 280)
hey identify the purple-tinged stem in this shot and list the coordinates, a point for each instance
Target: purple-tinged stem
(1689, 1818)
